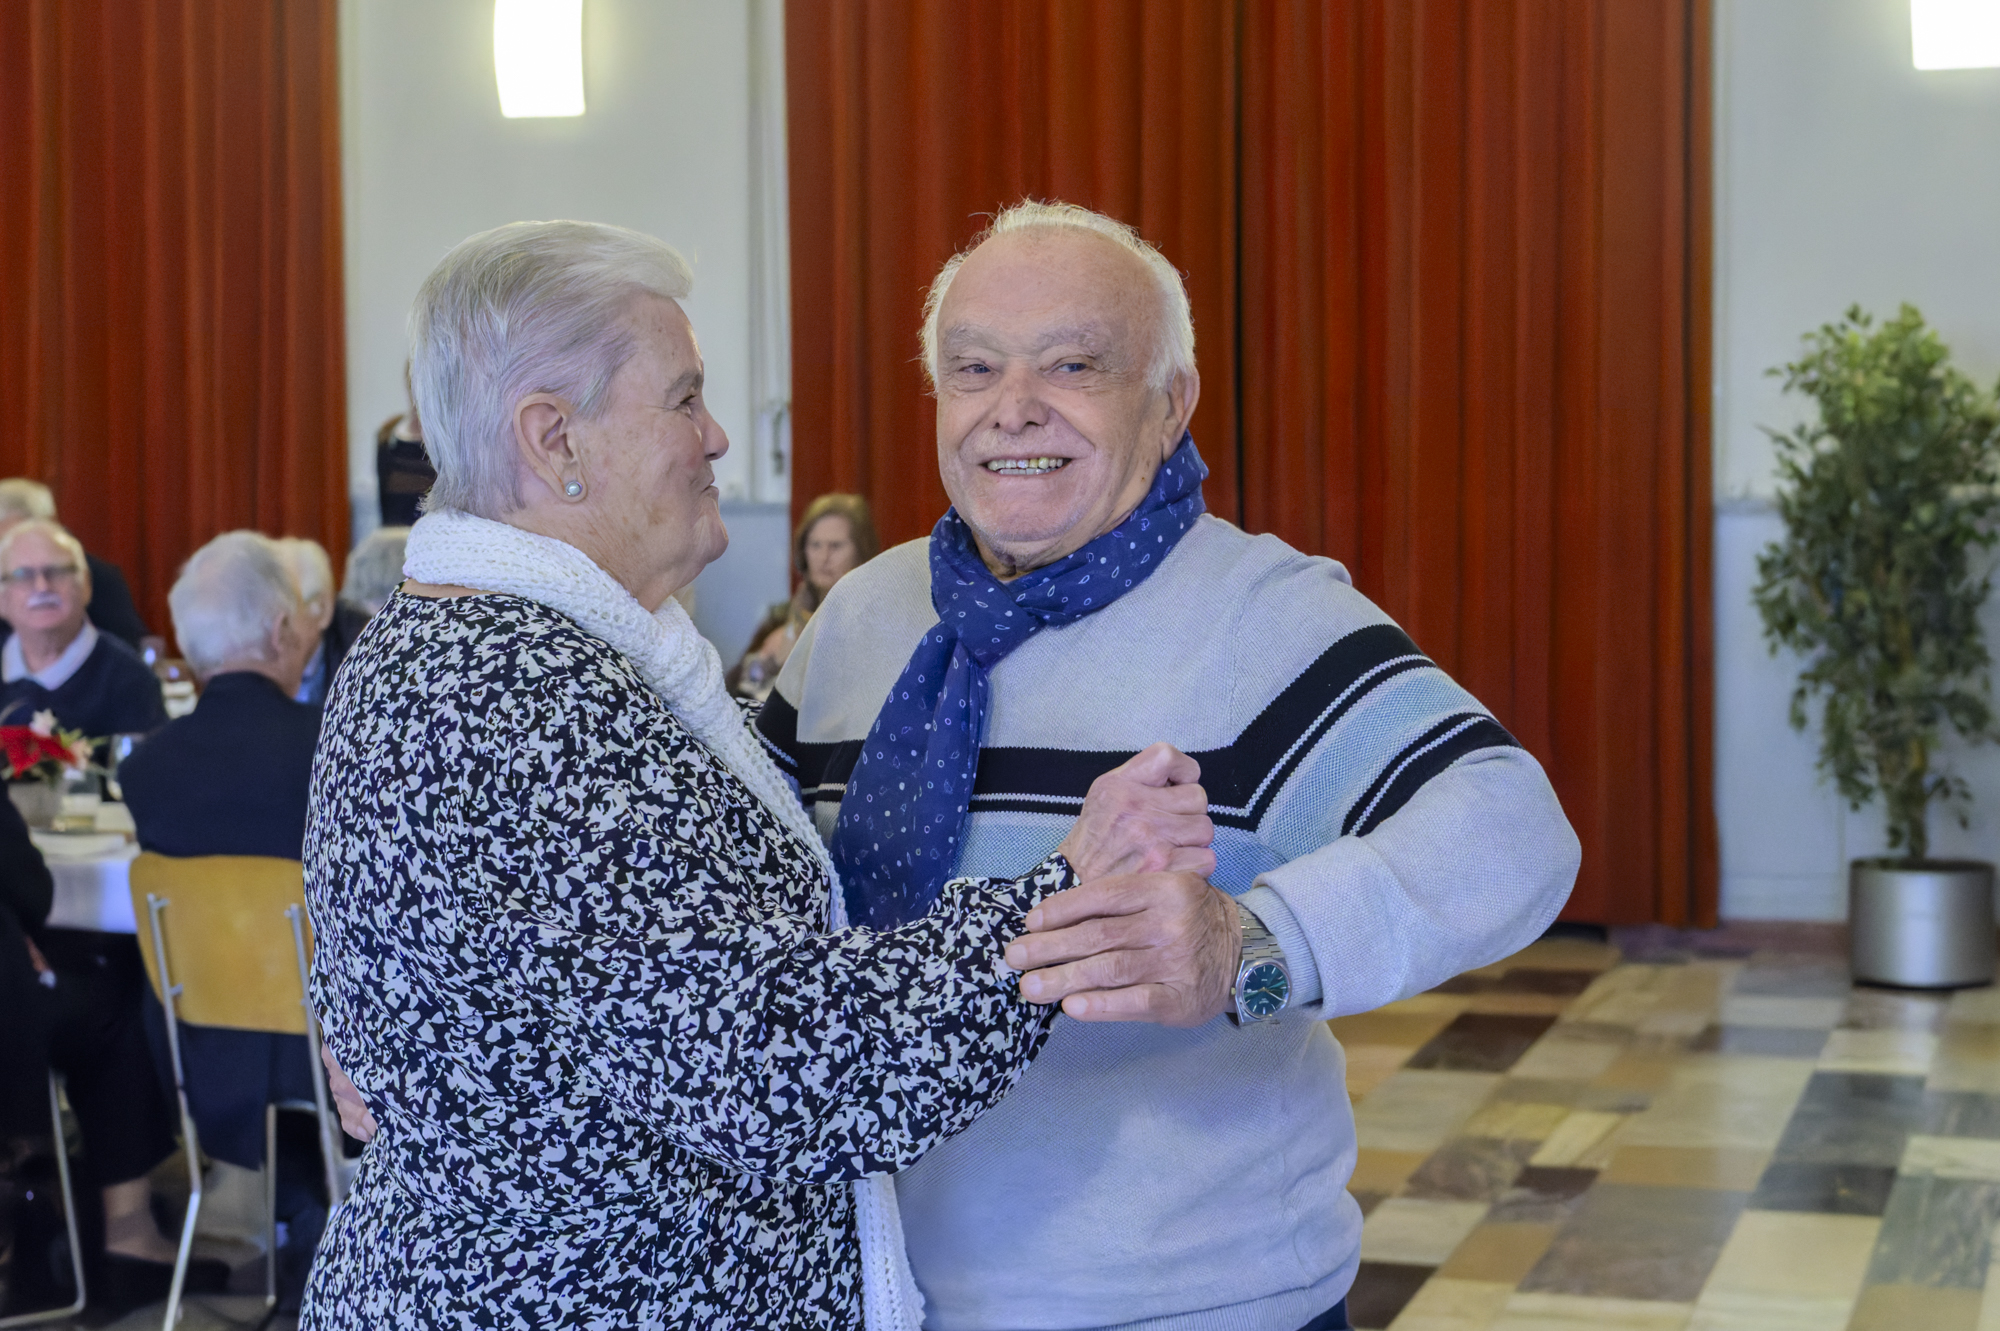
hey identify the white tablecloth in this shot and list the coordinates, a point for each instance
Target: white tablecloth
(92, 874)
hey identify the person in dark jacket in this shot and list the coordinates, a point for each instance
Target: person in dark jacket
(72, 1001)
(232, 778)
(111, 607)
(337, 623)
(56, 660)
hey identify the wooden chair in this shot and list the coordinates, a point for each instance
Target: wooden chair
(227, 942)
(69, 1218)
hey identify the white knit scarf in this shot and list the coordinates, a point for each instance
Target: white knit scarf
(454, 548)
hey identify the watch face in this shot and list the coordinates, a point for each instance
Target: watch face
(1263, 990)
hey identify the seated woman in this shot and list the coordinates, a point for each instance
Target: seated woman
(56, 660)
(578, 946)
(835, 537)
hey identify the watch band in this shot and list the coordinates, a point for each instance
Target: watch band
(1260, 953)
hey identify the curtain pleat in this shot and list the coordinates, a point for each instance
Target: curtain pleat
(1449, 265)
(171, 339)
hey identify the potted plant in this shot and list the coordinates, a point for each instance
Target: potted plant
(37, 756)
(1888, 501)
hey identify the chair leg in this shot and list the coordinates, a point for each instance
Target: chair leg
(69, 1220)
(270, 1207)
(171, 993)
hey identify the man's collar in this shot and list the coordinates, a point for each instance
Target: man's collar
(14, 665)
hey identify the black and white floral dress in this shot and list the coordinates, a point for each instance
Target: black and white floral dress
(583, 979)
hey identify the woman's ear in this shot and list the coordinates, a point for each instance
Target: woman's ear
(543, 438)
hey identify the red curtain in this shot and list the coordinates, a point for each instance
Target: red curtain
(171, 336)
(1449, 267)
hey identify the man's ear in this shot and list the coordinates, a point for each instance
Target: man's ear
(543, 440)
(1182, 394)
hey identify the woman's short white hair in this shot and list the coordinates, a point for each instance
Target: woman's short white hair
(229, 597)
(531, 307)
(375, 569)
(1175, 354)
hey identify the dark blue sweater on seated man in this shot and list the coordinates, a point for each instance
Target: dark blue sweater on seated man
(98, 686)
(230, 778)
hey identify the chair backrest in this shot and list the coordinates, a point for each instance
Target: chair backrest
(229, 943)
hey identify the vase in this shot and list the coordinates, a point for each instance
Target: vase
(1923, 925)
(37, 801)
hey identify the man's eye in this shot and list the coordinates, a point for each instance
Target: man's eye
(1073, 366)
(975, 367)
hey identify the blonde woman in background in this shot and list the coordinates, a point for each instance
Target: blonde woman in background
(835, 537)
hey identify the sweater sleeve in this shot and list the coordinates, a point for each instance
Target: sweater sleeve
(1417, 838)
(788, 1052)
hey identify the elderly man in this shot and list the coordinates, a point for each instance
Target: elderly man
(111, 607)
(232, 778)
(334, 620)
(1377, 830)
(56, 660)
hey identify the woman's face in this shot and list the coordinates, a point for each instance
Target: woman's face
(830, 551)
(647, 461)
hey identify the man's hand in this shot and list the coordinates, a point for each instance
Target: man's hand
(354, 1116)
(1146, 816)
(1159, 947)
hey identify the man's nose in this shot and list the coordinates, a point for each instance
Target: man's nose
(1020, 402)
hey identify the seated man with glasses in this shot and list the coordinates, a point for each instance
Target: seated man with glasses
(56, 660)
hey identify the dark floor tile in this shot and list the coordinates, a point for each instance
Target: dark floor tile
(1380, 1291)
(1636, 1242)
(1853, 1118)
(1470, 1169)
(1537, 980)
(1769, 1041)
(1960, 1114)
(1542, 1195)
(1481, 1042)
(1827, 1189)
(1792, 975)
(1368, 1201)
(1936, 1232)
(1466, 984)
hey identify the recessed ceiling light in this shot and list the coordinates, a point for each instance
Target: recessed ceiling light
(538, 57)
(1954, 34)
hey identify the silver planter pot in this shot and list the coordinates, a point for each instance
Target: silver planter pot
(1926, 926)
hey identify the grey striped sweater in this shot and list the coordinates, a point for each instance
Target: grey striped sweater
(1379, 821)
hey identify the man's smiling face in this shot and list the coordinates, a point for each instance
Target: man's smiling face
(1049, 428)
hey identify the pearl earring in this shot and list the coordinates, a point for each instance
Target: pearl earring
(573, 489)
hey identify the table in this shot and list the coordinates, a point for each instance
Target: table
(93, 873)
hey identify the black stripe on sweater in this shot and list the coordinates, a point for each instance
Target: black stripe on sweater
(1423, 758)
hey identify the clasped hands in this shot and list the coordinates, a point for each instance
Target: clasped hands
(1145, 937)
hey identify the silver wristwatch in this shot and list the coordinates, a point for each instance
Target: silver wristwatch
(1263, 985)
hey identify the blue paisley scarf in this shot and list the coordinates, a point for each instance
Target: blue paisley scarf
(904, 812)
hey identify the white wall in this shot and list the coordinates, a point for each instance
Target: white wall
(1843, 175)
(666, 147)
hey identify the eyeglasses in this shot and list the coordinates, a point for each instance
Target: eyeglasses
(55, 575)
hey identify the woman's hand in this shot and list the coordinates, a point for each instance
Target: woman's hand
(1147, 816)
(354, 1116)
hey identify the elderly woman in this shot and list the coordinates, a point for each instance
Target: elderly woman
(56, 660)
(578, 945)
(374, 571)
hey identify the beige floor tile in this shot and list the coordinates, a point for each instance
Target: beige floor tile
(1638, 1070)
(1419, 1109)
(1569, 1312)
(1379, 1027)
(1556, 1057)
(1515, 1120)
(1369, 1065)
(1453, 1305)
(1722, 1100)
(1565, 954)
(1575, 1136)
(1759, 1010)
(1915, 1308)
(1989, 1298)
(1383, 1171)
(1622, 997)
(1417, 1231)
(1953, 1157)
(1975, 1005)
(1968, 1059)
(1503, 1252)
(1532, 1005)
(1794, 1254)
(1724, 1168)
(1681, 1022)
(1890, 1053)
(1770, 1312)
(1452, 1004)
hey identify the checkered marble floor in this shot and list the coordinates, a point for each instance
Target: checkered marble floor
(1681, 1132)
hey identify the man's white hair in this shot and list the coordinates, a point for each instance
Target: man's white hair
(1175, 353)
(22, 498)
(55, 534)
(229, 597)
(311, 569)
(531, 307)
(375, 569)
